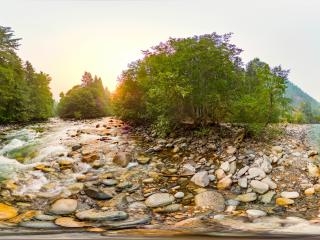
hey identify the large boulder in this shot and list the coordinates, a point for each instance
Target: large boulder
(210, 199)
(122, 159)
(64, 206)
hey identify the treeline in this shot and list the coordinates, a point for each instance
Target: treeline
(200, 80)
(88, 100)
(24, 93)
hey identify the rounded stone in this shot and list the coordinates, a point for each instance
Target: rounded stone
(179, 195)
(64, 206)
(210, 199)
(259, 187)
(159, 200)
(290, 195)
(253, 213)
(95, 215)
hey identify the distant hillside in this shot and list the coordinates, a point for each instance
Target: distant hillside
(298, 96)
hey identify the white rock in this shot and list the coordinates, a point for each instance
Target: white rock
(243, 182)
(290, 195)
(225, 166)
(220, 173)
(64, 206)
(179, 195)
(201, 179)
(259, 187)
(271, 184)
(256, 172)
(242, 171)
(248, 197)
(253, 213)
(188, 169)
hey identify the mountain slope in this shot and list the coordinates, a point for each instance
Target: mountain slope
(298, 96)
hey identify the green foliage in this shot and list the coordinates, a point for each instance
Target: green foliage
(200, 78)
(88, 100)
(24, 94)
(162, 126)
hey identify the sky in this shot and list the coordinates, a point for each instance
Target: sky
(64, 38)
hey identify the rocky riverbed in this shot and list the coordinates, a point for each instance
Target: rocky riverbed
(103, 176)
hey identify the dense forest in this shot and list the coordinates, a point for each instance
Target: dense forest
(24, 93)
(88, 100)
(200, 79)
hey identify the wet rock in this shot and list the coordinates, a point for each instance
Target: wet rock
(169, 209)
(119, 201)
(248, 197)
(124, 185)
(179, 195)
(96, 215)
(284, 201)
(131, 222)
(98, 194)
(201, 179)
(290, 195)
(39, 224)
(312, 153)
(210, 199)
(69, 222)
(159, 200)
(75, 187)
(7, 212)
(122, 159)
(254, 213)
(188, 169)
(224, 183)
(232, 202)
(76, 147)
(64, 206)
(90, 158)
(267, 197)
(259, 187)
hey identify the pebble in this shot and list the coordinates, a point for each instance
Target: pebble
(179, 195)
(169, 209)
(290, 195)
(188, 169)
(271, 184)
(247, 197)
(277, 149)
(225, 166)
(159, 200)
(39, 224)
(309, 191)
(259, 187)
(224, 183)
(220, 173)
(255, 172)
(267, 197)
(253, 213)
(109, 182)
(69, 222)
(7, 212)
(284, 201)
(98, 194)
(243, 182)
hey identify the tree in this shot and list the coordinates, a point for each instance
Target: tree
(87, 100)
(20, 96)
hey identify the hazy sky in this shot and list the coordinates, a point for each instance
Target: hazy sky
(67, 37)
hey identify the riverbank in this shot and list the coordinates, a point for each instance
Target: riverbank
(103, 175)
